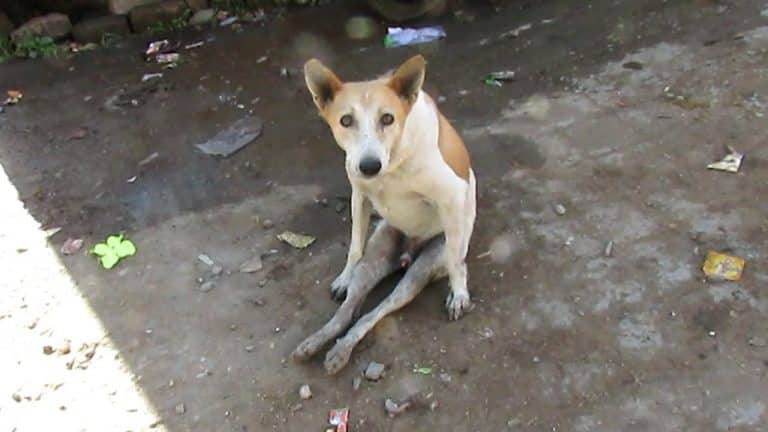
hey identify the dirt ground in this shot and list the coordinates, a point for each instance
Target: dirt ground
(618, 107)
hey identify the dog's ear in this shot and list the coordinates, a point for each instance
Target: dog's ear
(322, 82)
(408, 78)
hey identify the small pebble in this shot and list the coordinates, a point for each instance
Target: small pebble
(250, 348)
(608, 251)
(305, 392)
(180, 408)
(374, 371)
(16, 397)
(267, 224)
(712, 334)
(356, 381)
(559, 209)
(47, 350)
(217, 270)
(446, 378)
(207, 286)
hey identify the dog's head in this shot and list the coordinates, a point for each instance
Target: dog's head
(367, 118)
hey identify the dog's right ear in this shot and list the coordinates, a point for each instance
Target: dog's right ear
(322, 83)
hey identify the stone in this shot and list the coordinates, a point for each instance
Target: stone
(54, 25)
(305, 392)
(125, 6)
(6, 25)
(92, 30)
(374, 371)
(203, 16)
(197, 5)
(142, 17)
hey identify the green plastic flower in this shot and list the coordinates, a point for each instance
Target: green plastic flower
(115, 249)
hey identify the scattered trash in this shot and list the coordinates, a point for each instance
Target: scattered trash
(132, 179)
(608, 251)
(151, 76)
(206, 286)
(730, 163)
(298, 241)
(253, 265)
(14, 97)
(394, 409)
(398, 36)
(757, 341)
(113, 250)
(422, 370)
(228, 21)
(305, 392)
(77, 47)
(496, 78)
(719, 266)
(205, 259)
(71, 246)
(250, 348)
(340, 419)
(516, 32)
(157, 47)
(446, 378)
(559, 209)
(168, 58)
(180, 408)
(194, 45)
(374, 371)
(148, 159)
(262, 59)
(233, 138)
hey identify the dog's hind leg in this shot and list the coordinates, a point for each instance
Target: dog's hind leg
(429, 265)
(378, 261)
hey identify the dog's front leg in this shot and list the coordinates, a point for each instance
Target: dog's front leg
(361, 219)
(452, 216)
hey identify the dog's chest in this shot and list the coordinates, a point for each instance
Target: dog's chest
(404, 208)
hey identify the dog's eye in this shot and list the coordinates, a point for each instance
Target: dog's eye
(387, 119)
(346, 120)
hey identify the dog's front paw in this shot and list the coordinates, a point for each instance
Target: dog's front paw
(340, 284)
(457, 305)
(338, 357)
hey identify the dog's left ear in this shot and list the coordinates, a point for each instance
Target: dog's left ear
(408, 78)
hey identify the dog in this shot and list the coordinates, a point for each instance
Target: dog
(404, 160)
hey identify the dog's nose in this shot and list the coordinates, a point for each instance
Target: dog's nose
(370, 166)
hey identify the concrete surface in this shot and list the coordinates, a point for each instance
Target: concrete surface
(563, 338)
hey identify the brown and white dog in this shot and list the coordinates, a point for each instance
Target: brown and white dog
(405, 161)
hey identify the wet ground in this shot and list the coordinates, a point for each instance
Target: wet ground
(617, 109)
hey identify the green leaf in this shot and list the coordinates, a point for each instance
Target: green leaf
(109, 260)
(423, 370)
(126, 248)
(101, 249)
(113, 241)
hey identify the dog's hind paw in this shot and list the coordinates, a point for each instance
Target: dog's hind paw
(338, 357)
(457, 305)
(306, 349)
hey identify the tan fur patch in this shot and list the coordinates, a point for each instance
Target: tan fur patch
(451, 145)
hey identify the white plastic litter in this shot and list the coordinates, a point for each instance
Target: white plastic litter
(398, 36)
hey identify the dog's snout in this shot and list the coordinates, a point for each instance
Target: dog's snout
(370, 166)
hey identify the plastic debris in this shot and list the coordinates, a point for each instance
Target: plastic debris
(340, 419)
(516, 31)
(157, 47)
(296, 240)
(496, 78)
(113, 250)
(730, 163)
(194, 45)
(151, 76)
(228, 21)
(205, 259)
(719, 266)
(398, 36)
(233, 138)
(422, 370)
(14, 97)
(168, 58)
(396, 408)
